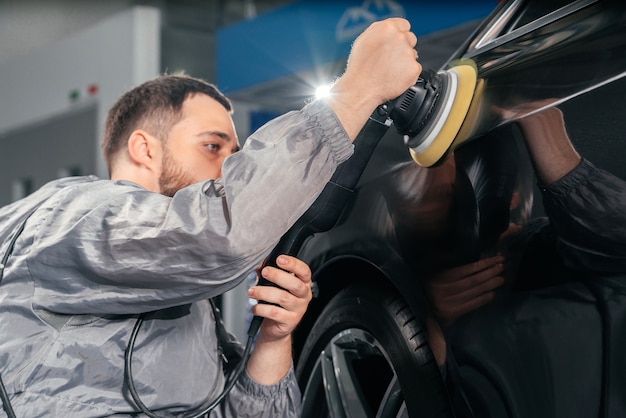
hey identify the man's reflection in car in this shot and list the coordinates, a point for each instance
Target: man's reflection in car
(521, 349)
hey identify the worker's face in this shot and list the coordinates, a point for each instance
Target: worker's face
(197, 145)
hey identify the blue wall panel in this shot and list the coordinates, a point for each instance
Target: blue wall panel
(306, 34)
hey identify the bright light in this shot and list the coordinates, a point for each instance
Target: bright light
(323, 91)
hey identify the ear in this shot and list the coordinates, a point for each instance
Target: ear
(144, 149)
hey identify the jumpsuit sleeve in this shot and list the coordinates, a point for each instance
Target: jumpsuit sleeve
(587, 211)
(118, 248)
(251, 399)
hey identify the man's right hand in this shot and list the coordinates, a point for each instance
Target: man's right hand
(381, 66)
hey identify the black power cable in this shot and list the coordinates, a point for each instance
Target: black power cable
(6, 402)
(230, 380)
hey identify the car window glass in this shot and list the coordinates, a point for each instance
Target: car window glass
(534, 10)
(519, 16)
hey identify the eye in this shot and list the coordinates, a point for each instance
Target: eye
(213, 147)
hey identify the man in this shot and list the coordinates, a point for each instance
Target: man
(551, 347)
(182, 219)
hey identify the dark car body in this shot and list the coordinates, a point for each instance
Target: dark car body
(361, 349)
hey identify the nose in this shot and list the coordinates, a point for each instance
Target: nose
(221, 161)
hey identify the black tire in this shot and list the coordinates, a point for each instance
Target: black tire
(367, 356)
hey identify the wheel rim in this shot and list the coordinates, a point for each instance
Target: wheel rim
(353, 377)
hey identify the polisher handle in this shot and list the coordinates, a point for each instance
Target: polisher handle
(324, 213)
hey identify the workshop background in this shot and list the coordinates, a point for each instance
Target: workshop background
(63, 63)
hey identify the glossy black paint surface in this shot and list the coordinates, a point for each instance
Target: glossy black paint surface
(405, 221)
(522, 69)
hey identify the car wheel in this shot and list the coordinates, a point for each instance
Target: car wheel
(367, 356)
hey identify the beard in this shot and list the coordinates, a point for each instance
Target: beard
(173, 178)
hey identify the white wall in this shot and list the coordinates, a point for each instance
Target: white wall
(113, 55)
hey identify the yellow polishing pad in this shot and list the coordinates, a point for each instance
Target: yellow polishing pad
(473, 114)
(463, 79)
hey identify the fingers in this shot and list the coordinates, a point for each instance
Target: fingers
(460, 290)
(294, 279)
(382, 61)
(297, 267)
(452, 312)
(479, 284)
(449, 307)
(412, 40)
(401, 23)
(404, 26)
(462, 273)
(293, 275)
(487, 270)
(477, 278)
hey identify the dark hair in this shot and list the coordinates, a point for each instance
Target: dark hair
(154, 106)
